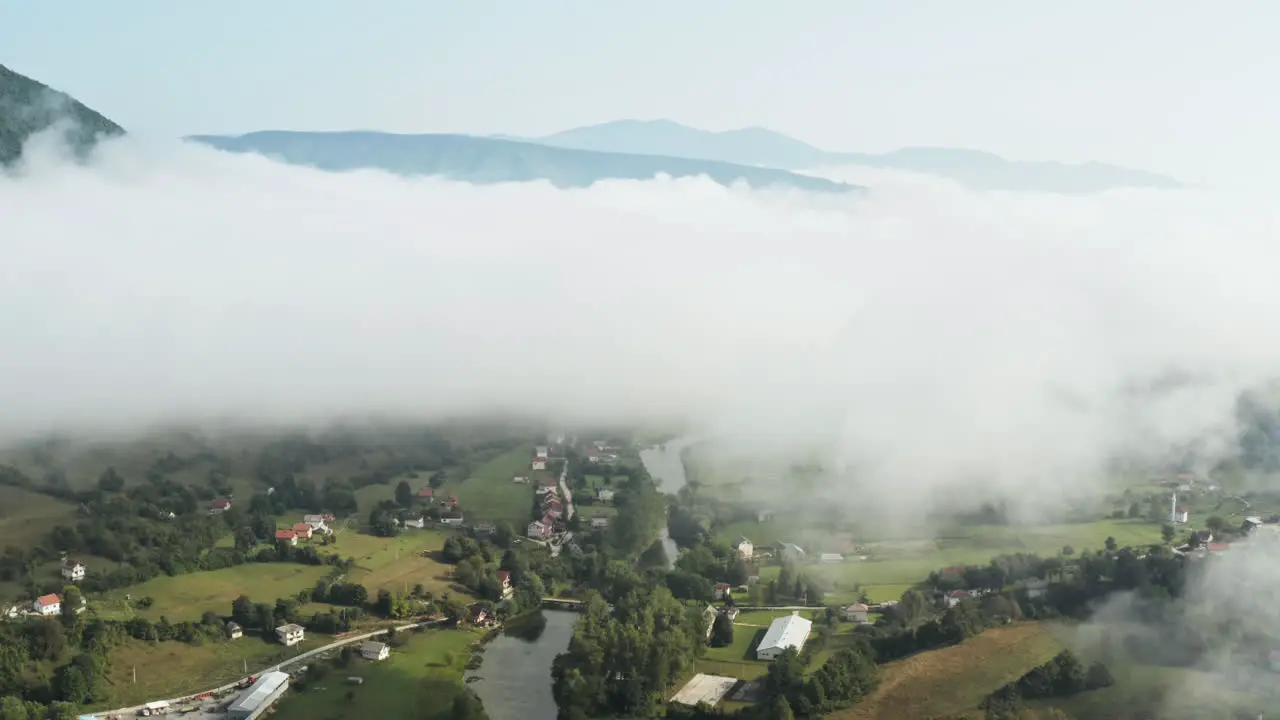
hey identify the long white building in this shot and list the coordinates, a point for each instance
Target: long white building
(264, 691)
(790, 631)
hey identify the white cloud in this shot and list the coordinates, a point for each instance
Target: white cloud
(932, 331)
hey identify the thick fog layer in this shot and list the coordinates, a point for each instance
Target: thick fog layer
(928, 333)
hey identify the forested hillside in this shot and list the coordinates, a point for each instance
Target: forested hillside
(28, 107)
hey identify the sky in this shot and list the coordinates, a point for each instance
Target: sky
(1173, 86)
(921, 334)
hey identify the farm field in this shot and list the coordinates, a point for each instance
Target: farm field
(955, 680)
(171, 669)
(417, 681)
(394, 563)
(187, 597)
(892, 566)
(485, 494)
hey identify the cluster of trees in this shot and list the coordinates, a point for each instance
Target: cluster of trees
(622, 662)
(1062, 676)
(74, 649)
(846, 677)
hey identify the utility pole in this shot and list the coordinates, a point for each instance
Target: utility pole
(135, 674)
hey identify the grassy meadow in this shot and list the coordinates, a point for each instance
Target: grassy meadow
(187, 597)
(417, 681)
(955, 680)
(171, 669)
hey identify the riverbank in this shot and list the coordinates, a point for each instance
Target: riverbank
(514, 677)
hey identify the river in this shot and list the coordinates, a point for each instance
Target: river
(666, 467)
(514, 680)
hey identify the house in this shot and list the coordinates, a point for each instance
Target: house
(789, 631)
(540, 451)
(753, 574)
(744, 548)
(290, 634)
(522, 479)
(1180, 515)
(415, 522)
(1201, 538)
(234, 631)
(220, 505)
(485, 529)
(1219, 547)
(317, 523)
(599, 522)
(370, 650)
(426, 493)
(1035, 587)
(722, 590)
(287, 536)
(856, 612)
(453, 517)
(540, 529)
(605, 495)
(1251, 523)
(504, 579)
(830, 558)
(50, 604)
(478, 613)
(302, 531)
(539, 464)
(592, 454)
(548, 485)
(793, 552)
(764, 515)
(955, 596)
(73, 570)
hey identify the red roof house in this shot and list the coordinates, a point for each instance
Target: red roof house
(287, 536)
(221, 504)
(302, 530)
(426, 492)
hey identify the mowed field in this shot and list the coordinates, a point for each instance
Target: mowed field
(955, 680)
(419, 680)
(398, 563)
(187, 597)
(171, 669)
(739, 658)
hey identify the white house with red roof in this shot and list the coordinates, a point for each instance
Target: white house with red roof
(541, 529)
(856, 612)
(287, 536)
(50, 604)
(426, 493)
(722, 590)
(549, 485)
(955, 596)
(504, 578)
(539, 463)
(220, 505)
(302, 531)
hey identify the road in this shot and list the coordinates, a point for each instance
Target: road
(187, 699)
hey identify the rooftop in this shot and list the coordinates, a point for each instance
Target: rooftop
(258, 693)
(785, 632)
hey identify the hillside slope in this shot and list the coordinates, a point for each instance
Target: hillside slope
(491, 160)
(760, 146)
(28, 106)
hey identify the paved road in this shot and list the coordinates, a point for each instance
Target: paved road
(209, 704)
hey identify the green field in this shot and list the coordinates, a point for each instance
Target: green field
(417, 681)
(739, 658)
(892, 566)
(187, 597)
(955, 680)
(1177, 693)
(25, 516)
(171, 669)
(397, 563)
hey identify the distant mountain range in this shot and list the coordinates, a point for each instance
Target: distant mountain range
(28, 107)
(491, 160)
(626, 149)
(760, 146)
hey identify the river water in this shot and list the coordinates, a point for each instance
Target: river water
(666, 467)
(514, 681)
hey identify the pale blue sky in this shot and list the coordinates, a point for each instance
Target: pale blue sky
(1179, 86)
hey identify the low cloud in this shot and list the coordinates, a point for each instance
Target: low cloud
(925, 334)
